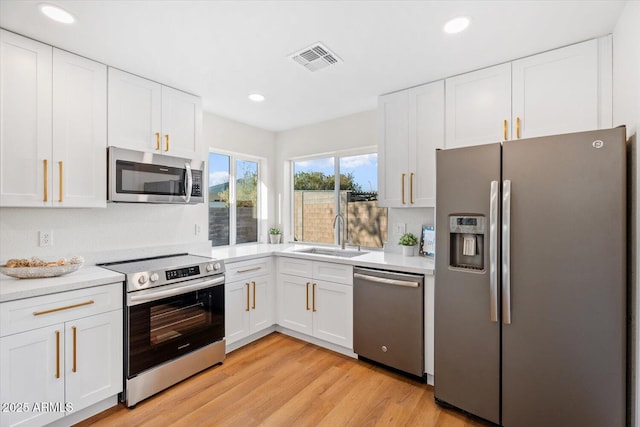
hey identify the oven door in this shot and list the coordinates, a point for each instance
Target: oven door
(176, 319)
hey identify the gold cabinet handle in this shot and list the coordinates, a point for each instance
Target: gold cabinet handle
(60, 172)
(254, 295)
(518, 127)
(504, 129)
(403, 175)
(247, 309)
(166, 138)
(53, 310)
(308, 296)
(46, 194)
(157, 140)
(75, 348)
(57, 354)
(314, 298)
(248, 270)
(411, 187)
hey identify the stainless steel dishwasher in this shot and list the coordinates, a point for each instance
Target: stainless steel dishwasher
(388, 318)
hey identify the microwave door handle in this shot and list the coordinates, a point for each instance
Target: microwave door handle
(188, 183)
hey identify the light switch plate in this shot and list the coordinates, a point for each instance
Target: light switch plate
(399, 229)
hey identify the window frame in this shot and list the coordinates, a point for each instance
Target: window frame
(234, 157)
(337, 155)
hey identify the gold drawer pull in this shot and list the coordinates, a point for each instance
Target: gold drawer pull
(60, 167)
(308, 296)
(504, 129)
(167, 140)
(157, 140)
(314, 298)
(75, 348)
(411, 187)
(249, 269)
(68, 307)
(46, 193)
(518, 127)
(57, 354)
(254, 295)
(247, 309)
(403, 175)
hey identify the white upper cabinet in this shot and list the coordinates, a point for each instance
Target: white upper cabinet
(560, 91)
(134, 112)
(147, 116)
(53, 135)
(478, 107)
(411, 129)
(79, 131)
(25, 121)
(181, 122)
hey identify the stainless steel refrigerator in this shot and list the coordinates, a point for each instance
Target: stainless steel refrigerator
(530, 284)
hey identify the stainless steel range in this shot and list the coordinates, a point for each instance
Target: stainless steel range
(174, 321)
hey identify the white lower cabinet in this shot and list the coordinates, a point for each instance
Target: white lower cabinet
(248, 299)
(313, 305)
(64, 356)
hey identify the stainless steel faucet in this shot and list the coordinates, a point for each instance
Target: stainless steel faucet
(343, 235)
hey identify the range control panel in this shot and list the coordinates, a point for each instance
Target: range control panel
(179, 273)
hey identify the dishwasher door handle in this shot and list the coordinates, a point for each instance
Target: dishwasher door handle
(386, 281)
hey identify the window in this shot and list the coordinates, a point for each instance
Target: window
(318, 196)
(233, 199)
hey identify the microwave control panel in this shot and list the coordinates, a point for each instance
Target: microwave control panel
(196, 190)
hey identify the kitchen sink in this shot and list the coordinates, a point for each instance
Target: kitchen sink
(343, 253)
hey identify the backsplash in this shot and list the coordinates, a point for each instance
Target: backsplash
(413, 218)
(120, 231)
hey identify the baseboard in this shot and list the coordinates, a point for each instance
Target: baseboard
(316, 341)
(251, 338)
(83, 414)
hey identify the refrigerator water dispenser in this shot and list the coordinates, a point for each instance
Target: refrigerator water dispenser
(466, 234)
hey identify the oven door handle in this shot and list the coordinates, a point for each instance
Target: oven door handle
(154, 296)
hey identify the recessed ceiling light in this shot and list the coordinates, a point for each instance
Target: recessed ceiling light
(256, 97)
(57, 13)
(456, 25)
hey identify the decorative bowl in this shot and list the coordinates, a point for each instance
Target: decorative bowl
(39, 272)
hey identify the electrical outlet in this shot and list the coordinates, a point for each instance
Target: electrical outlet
(46, 238)
(197, 229)
(399, 229)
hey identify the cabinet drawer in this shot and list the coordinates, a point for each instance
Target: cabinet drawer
(295, 266)
(337, 273)
(31, 313)
(237, 271)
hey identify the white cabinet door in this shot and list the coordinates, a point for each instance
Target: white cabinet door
(261, 314)
(25, 117)
(134, 112)
(93, 367)
(393, 150)
(333, 313)
(236, 311)
(79, 167)
(478, 107)
(32, 371)
(295, 303)
(557, 91)
(426, 134)
(181, 123)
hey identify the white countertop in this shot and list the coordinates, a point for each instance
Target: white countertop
(88, 276)
(369, 258)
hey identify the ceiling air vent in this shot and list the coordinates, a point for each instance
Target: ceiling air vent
(315, 57)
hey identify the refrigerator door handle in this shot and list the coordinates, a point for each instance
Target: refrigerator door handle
(493, 251)
(506, 252)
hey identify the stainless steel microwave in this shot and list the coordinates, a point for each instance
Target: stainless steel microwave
(140, 177)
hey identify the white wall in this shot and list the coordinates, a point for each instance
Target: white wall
(626, 110)
(125, 230)
(228, 136)
(349, 133)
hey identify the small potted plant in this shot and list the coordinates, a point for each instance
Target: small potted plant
(408, 241)
(274, 235)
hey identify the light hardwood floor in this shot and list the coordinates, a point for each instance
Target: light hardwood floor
(281, 381)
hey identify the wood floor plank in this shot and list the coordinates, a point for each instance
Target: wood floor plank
(282, 381)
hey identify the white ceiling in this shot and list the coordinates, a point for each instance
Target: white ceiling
(224, 50)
